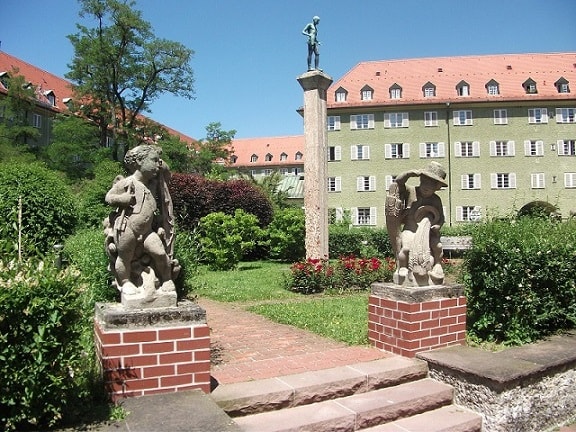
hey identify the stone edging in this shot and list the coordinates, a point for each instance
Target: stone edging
(522, 388)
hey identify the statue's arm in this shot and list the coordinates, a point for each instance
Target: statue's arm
(120, 195)
(402, 178)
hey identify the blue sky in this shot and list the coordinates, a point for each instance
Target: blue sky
(248, 53)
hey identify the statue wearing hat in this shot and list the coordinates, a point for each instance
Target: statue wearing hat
(414, 216)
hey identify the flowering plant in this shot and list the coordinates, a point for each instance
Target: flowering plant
(310, 276)
(360, 273)
(350, 272)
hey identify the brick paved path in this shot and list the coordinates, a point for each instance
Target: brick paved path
(247, 346)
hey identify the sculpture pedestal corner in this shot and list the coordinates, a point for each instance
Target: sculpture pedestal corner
(407, 320)
(151, 351)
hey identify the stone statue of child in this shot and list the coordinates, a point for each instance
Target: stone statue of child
(414, 216)
(311, 31)
(139, 232)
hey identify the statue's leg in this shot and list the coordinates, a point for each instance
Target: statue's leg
(123, 265)
(154, 246)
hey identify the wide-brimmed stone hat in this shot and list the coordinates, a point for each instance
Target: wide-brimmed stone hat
(435, 171)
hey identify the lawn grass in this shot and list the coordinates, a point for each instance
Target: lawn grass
(260, 286)
(343, 317)
(249, 282)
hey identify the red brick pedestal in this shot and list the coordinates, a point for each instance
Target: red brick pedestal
(407, 321)
(149, 351)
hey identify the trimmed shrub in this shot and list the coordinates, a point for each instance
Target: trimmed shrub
(48, 207)
(379, 240)
(286, 234)
(195, 197)
(43, 368)
(225, 239)
(345, 241)
(519, 279)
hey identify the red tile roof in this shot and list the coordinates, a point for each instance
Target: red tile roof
(45, 81)
(510, 71)
(244, 148)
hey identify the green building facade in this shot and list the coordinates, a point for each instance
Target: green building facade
(503, 128)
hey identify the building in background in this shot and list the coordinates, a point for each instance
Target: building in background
(53, 95)
(503, 127)
(261, 157)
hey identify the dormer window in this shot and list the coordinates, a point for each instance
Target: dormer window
(492, 88)
(254, 158)
(367, 93)
(530, 86)
(4, 79)
(429, 89)
(341, 95)
(395, 91)
(562, 85)
(298, 156)
(233, 159)
(268, 158)
(463, 89)
(283, 156)
(51, 97)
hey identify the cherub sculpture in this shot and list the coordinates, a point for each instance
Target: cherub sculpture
(140, 231)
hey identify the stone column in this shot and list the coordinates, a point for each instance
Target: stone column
(315, 83)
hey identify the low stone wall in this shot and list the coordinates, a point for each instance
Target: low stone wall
(523, 389)
(151, 351)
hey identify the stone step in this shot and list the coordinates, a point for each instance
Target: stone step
(310, 387)
(351, 413)
(449, 418)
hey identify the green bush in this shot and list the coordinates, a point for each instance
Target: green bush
(48, 207)
(92, 207)
(379, 243)
(225, 239)
(85, 250)
(344, 241)
(519, 279)
(188, 252)
(286, 235)
(43, 371)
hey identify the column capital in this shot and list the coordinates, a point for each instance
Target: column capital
(315, 79)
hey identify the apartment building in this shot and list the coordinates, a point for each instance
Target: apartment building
(502, 126)
(53, 95)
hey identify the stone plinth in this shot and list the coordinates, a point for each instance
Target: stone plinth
(315, 83)
(407, 320)
(151, 351)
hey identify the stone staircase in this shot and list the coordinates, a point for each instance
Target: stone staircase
(389, 395)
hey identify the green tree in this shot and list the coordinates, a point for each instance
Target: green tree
(176, 154)
(215, 148)
(120, 67)
(75, 148)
